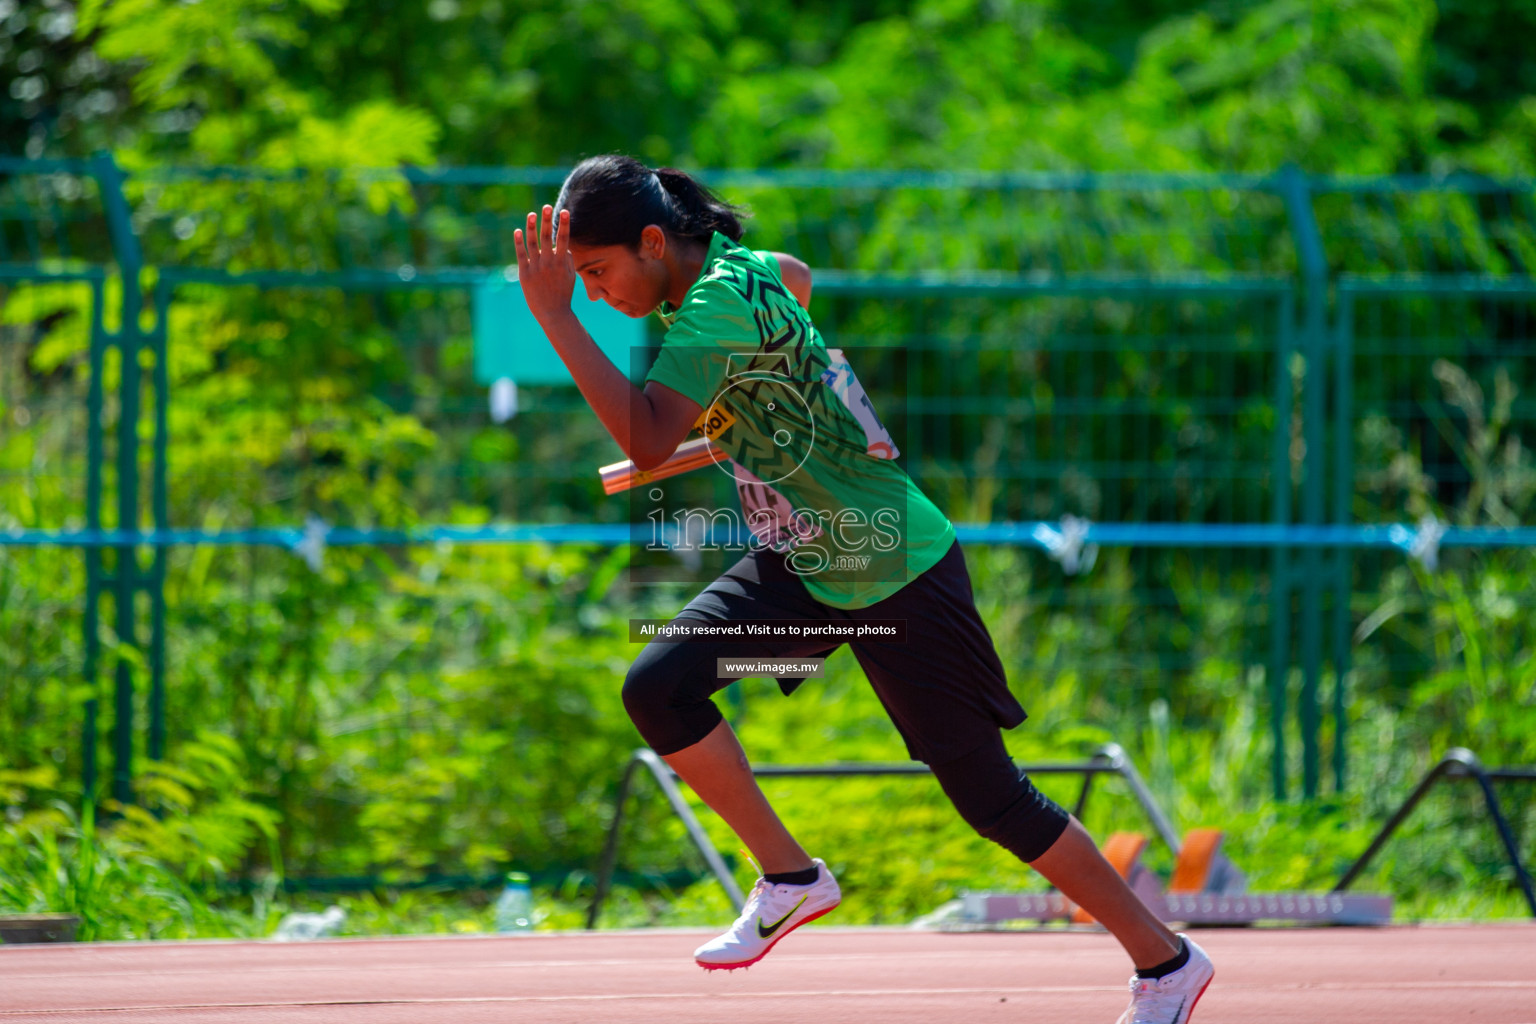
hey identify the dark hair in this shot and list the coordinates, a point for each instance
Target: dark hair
(612, 198)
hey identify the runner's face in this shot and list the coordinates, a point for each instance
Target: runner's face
(632, 281)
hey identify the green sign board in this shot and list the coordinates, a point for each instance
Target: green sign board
(510, 344)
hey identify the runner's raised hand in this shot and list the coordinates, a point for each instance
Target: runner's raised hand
(544, 267)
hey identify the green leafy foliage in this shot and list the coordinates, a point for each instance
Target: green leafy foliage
(151, 871)
(1363, 86)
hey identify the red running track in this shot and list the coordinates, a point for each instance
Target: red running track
(1440, 974)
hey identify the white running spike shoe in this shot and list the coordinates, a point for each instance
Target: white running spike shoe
(772, 912)
(1171, 998)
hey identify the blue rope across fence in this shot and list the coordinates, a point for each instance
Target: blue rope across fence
(1051, 537)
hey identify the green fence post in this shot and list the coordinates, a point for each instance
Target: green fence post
(1309, 248)
(160, 346)
(1343, 492)
(90, 621)
(129, 340)
(1280, 572)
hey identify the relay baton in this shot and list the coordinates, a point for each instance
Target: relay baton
(695, 454)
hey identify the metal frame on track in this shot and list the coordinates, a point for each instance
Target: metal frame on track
(1109, 759)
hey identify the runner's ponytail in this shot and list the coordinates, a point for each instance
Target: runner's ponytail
(700, 213)
(613, 198)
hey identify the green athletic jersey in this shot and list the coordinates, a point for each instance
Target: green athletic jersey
(812, 462)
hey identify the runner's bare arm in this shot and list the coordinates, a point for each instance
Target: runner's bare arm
(648, 425)
(797, 277)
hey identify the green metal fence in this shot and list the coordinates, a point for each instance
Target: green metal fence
(1210, 370)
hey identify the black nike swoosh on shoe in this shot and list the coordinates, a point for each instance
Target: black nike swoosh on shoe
(1178, 1015)
(768, 931)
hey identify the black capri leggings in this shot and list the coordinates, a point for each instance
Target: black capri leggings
(1000, 802)
(944, 688)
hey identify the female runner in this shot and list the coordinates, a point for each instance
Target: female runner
(841, 537)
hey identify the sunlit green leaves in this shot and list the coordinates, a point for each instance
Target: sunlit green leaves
(221, 61)
(192, 52)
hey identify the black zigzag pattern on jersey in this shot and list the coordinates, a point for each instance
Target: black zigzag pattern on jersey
(757, 452)
(780, 320)
(756, 286)
(782, 323)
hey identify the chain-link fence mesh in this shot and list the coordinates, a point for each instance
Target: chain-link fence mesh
(1127, 350)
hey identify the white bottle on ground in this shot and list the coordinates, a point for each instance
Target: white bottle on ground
(514, 907)
(306, 927)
